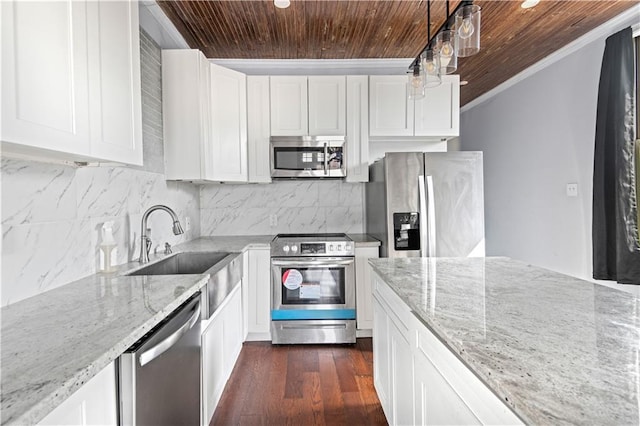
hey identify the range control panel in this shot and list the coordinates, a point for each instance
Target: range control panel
(299, 248)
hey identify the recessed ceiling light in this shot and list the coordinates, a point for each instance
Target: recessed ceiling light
(282, 4)
(463, 82)
(526, 4)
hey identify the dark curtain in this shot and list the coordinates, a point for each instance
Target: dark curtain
(616, 255)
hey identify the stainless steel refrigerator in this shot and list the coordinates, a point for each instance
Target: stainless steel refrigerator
(427, 204)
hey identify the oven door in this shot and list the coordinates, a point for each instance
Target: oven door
(313, 288)
(307, 157)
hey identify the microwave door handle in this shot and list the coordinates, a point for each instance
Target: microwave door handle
(326, 159)
(424, 251)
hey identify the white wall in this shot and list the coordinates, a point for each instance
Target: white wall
(537, 136)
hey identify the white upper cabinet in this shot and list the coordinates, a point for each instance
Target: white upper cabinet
(186, 115)
(258, 128)
(390, 111)
(314, 105)
(205, 119)
(228, 124)
(327, 105)
(114, 81)
(71, 80)
(392, 114)
(289, 113)
(45, 106)
(438, 113)
(357, 128)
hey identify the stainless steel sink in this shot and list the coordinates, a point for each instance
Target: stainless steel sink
(224, 269)
(182, 263)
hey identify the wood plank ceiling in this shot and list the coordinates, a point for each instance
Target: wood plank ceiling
(512, 38)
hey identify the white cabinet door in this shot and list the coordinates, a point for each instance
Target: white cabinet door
(93, 404)
(364, 292)
(259, 297)
(228, 124)
(258, 130)
(436, 403)
(438, 113)
(213, 377)
(382, 358)
(357, 128)
(114, 81)
(186, 117)
(289, 106)
(401, 366)
(232, 334)
(327, 103)
(390, 110)
(45, 100)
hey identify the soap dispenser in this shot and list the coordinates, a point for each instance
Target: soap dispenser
(108, 249)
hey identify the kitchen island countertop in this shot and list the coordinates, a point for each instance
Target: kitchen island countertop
(554, 348)
(56, 341)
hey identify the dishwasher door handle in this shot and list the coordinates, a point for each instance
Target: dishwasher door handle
(157, 350)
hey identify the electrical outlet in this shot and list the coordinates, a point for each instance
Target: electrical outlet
(187, 223)
(572, 190)
(273, 220)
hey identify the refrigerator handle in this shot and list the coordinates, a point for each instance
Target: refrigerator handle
(423, 217)
(431, 217)
(326, 159)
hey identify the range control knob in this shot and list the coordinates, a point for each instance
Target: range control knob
(339, 247)
(331, 247)
(285, 249)
(294, 249)
(347, 247)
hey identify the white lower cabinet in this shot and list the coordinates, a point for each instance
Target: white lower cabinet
(221, 344)
(418, 379)
(93, 404)
(392, 362)
(258, 288)
(364, 295)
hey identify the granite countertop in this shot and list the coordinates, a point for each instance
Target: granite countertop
(55, 342)
(364, 240)
(556, 349)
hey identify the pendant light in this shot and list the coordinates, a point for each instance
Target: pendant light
(446, 47)
(468, 30)
(416, 85)
(430, 60)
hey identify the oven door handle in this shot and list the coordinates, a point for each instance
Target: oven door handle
(304, 263)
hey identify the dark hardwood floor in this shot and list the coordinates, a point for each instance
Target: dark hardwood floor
(301, 385)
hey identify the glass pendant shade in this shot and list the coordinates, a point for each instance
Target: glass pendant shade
(431, 69)
(467, 29)
(415, 85)
(447, 51)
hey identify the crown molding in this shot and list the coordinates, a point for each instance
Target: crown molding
(629, 17)
(159, 26)
(386, 66)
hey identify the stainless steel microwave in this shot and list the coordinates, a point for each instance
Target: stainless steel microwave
(308, 157)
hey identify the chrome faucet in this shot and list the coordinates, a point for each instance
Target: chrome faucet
(145, 241)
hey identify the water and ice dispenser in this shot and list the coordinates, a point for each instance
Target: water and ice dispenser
(406, 231)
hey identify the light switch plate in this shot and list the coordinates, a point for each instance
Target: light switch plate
(187, 223)
(273, 220)
(572, 190)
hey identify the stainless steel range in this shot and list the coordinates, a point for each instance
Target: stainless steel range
(313, 289)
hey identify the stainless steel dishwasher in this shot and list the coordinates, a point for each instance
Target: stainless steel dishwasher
(159, 376)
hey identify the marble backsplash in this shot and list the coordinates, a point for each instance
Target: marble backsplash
(297, 206)
(52, 217)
